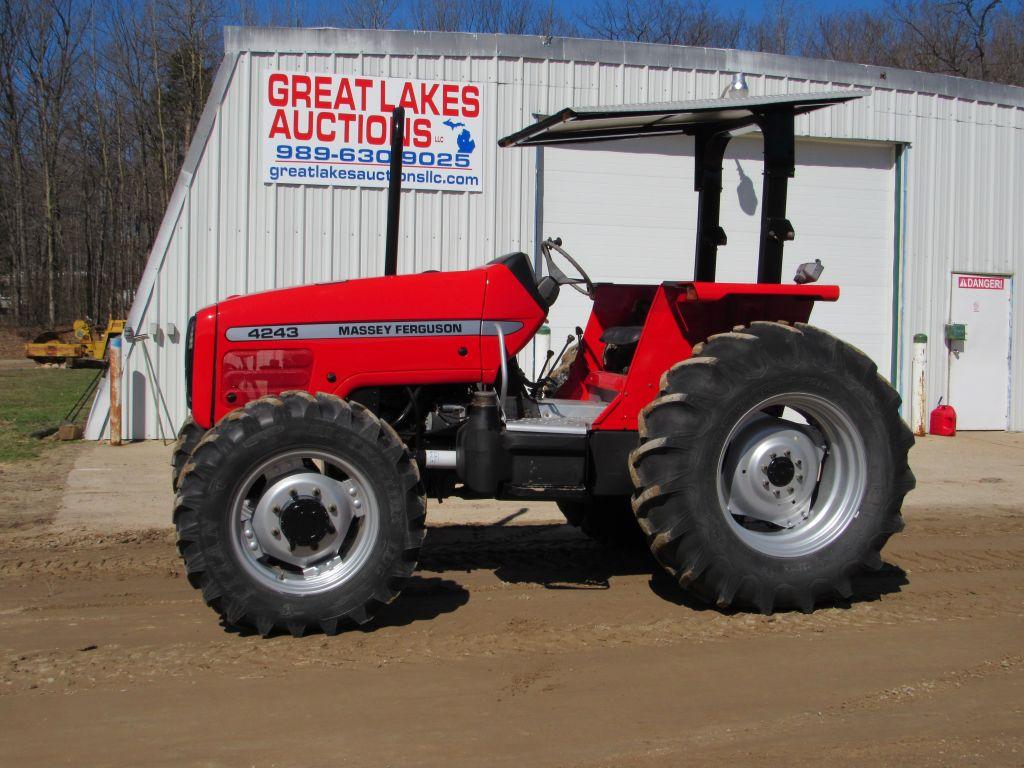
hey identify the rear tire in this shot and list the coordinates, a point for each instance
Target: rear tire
(235, 525)
(188, 438)
(692, 483)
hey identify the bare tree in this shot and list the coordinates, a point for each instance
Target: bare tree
(367, 14)
(780, 29)
(676, 22)
(189, 46)
(857, 35)
(443, 15)
(1006, 61)
(949, 36)
(13, 29)
(51, 54)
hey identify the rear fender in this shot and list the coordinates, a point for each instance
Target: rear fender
(681, 316)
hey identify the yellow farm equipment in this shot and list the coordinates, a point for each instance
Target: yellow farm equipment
(80, 344)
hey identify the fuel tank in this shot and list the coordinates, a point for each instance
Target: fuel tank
(406, 330)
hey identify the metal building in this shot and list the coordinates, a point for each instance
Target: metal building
(912, 196)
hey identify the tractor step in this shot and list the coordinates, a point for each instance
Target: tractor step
(550, 425)
(562, 417)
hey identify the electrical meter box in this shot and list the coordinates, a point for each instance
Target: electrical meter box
(956, 332)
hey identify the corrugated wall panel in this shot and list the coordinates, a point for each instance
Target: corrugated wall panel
(962, 195)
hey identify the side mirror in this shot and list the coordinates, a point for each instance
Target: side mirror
(808, 272)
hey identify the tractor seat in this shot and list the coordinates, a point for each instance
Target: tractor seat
(622, 335)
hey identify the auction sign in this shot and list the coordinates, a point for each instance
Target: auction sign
(336, 130)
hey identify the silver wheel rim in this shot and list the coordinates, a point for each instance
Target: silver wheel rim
(789, 486)
(304, 522)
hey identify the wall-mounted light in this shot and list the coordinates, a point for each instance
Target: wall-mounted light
(737, 89)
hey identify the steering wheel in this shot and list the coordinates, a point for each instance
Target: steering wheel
(555, 244)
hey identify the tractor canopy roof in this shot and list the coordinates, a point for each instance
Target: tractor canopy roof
(579, 124)
(712, 123)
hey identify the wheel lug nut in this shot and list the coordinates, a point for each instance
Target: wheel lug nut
(316, 492)
(773, 455)
(799, 478)
(333, 510)
(764, 469)
(799, 463)
(294, 494)
(253, 545)
(248, 532)
(789, 453)
(777, 494)
(357, 503)
(765, 484)
(275, 533)
(351, 491)
(277, 510)
(789, 490)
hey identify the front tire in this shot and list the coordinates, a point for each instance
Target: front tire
(772, 468)
(299, 511)
(188, 438)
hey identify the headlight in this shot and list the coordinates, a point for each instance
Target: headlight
(190, 349)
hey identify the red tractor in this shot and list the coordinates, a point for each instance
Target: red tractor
(763, 459)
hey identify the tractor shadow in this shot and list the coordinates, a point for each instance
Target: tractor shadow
(423, 598)
(554, 556)
(559, 556)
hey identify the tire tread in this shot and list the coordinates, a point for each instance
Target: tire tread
(235, 428)
(674, 426)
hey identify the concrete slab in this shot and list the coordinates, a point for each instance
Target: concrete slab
(982, 470)
(119, 488)
(128, 488)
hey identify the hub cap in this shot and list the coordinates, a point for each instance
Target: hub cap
(305, 521)
(791, 485)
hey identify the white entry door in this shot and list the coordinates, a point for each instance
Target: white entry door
(979, 367)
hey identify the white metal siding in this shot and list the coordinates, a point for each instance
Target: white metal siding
(225, 232)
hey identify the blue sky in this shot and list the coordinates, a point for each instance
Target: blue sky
(752, 9)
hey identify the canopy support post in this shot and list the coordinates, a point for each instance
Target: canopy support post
(709, 150)
(779, 168)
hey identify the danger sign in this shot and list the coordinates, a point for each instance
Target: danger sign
(981, 281)
(336, 130)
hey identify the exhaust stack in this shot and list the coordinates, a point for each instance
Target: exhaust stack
(394, 191)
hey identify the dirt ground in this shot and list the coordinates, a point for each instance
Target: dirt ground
(518, 642)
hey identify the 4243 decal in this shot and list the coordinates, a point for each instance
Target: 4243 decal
(385, 329)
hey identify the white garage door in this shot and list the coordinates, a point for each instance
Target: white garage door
(630, 216)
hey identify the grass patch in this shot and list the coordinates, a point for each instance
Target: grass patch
(35, 398)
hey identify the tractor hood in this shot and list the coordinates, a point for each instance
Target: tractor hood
(407, 330)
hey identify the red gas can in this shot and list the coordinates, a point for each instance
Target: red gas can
(943, 421)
